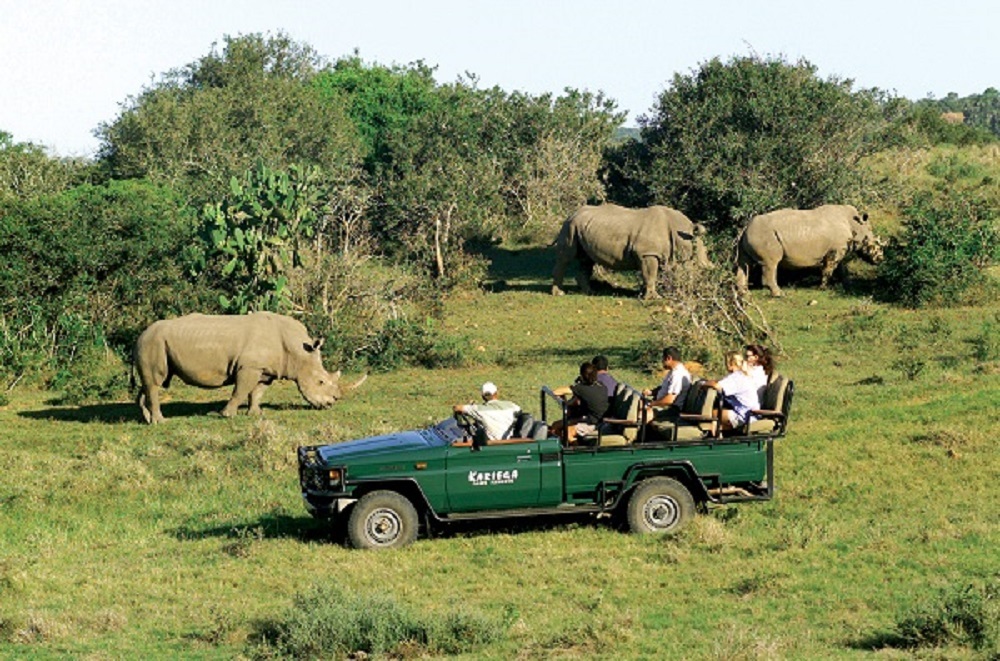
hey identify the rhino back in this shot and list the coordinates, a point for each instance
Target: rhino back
(803, 237)
(207, 350)
(617, 237)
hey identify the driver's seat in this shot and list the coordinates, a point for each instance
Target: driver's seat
(522, 426)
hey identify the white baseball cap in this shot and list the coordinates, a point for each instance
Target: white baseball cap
(489, 388)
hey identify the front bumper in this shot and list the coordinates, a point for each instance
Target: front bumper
(323, 486)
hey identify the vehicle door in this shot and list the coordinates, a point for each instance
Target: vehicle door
(498, 476)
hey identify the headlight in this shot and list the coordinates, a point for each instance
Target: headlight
(335, 477)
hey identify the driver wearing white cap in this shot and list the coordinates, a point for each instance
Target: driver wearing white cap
(496, 415)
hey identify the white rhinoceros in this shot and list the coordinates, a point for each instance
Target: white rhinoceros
(802, 239)
(624, 239)
(246, 351)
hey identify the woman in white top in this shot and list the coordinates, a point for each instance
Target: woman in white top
(738, 391)
(755, 358)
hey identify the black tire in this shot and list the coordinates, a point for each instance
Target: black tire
(382, 520)
(659, 505)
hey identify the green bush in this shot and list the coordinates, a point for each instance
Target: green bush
(96, 375)
(946, 244)
(330, 622)
(407, 342)
(967, 616)
(986, 343)
(742, 137)
(93, 261)
(366, 309)
(923, 124)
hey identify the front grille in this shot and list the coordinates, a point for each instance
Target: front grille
(312, 470)
(313, 480)
(309, 457)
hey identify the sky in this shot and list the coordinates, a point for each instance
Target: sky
(69, 65)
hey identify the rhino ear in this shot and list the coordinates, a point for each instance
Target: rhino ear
(864, 218)
(314, 346)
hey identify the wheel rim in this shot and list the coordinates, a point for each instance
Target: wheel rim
(661, 512)
(383, 526)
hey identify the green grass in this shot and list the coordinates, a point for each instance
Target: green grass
(119, 540)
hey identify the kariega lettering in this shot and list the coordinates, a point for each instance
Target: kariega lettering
(490, 478)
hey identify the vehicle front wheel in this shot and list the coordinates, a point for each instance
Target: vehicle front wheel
(659, 505)
(382, 520)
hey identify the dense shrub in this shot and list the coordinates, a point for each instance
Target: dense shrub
(26, 171)
(979, 112)
(91, 265)
(735, 139)
(407, 342)
(966, 616)
(452, 163)
(199, 125)
(946, 243)
(922, 125)
(705, 315)
(329, 622)
(375, 314)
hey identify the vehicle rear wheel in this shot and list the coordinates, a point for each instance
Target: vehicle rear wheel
(659, 505)
(382, 520)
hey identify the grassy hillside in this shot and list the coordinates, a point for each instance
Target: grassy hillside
(119, 540)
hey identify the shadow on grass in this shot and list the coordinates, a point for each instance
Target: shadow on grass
(879, 641)
(855, 286)
(269, 526)
(638, 357)
(487, 527)
(525, 269)
(309, 530)
(121, 412)
(530, 269)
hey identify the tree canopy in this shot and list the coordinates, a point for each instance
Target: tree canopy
(733, 139)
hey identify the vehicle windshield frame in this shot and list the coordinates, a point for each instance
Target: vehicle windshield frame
(446, 432)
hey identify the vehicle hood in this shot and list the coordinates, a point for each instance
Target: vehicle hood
(376, 445)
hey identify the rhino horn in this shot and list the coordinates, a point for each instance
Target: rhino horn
(359, 382)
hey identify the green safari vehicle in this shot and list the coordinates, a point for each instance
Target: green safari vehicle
(652, 478)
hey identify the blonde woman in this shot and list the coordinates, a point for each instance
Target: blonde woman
(739, 392)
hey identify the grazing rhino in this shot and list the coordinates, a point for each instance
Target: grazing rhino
(799, 239)
(626, 239)
(247, 351)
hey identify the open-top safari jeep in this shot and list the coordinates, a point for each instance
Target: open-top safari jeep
(652, 479)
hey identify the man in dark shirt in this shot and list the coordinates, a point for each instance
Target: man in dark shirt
(590, 399)
(603, 377)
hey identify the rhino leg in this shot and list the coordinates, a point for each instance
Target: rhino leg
(742, 271)
(147, 415)
(650, 272)
(563, 257)
(255, 398)
(247, 381)
(830, 263)
(769, 274)
(742, 277)
(149, 403)
(585, 274)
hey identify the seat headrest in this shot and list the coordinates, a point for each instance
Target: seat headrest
(523, 425)
(774, 393)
